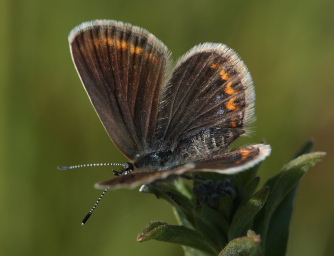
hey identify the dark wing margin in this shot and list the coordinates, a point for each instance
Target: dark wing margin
(227, 163)
(122, 68)
(210, 88)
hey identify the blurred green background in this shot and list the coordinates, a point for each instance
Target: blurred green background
(47, 119)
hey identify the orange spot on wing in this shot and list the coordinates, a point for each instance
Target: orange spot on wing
(232, 105)
(224, 75)
(139, 50)
(121, 45)
(136, 50)
(234, 123)
(118, 44)
(214, 66)
(229, 89)
(105, 40)
(124, 45)
(152, 57)
(244, 155)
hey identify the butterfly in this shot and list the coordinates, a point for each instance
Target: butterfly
(167, 120)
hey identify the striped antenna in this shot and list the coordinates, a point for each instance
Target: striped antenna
(94, 207)
(88, 165)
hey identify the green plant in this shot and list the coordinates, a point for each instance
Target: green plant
(229, 215)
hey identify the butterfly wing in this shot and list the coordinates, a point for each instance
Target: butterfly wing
(122, 68)
(209, 91)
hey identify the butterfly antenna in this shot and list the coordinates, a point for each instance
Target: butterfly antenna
(94, 207)
(87, 165)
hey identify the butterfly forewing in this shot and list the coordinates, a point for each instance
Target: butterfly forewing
(123, 69)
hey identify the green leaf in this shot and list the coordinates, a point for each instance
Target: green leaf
(179, 201)
(278, 208)
(218, 221)
(246, 184)
(305, 149)
(183, 188)
(211, 225)
(252, 185)
(182, 219)
(250, 174)
(225, 207)
(278, 231)
(243, 246)
(189, 251)
(305, 161)
(161, 231)
(245, 214)
(250, 189)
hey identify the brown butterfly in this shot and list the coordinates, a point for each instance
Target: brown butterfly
(167, 120)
